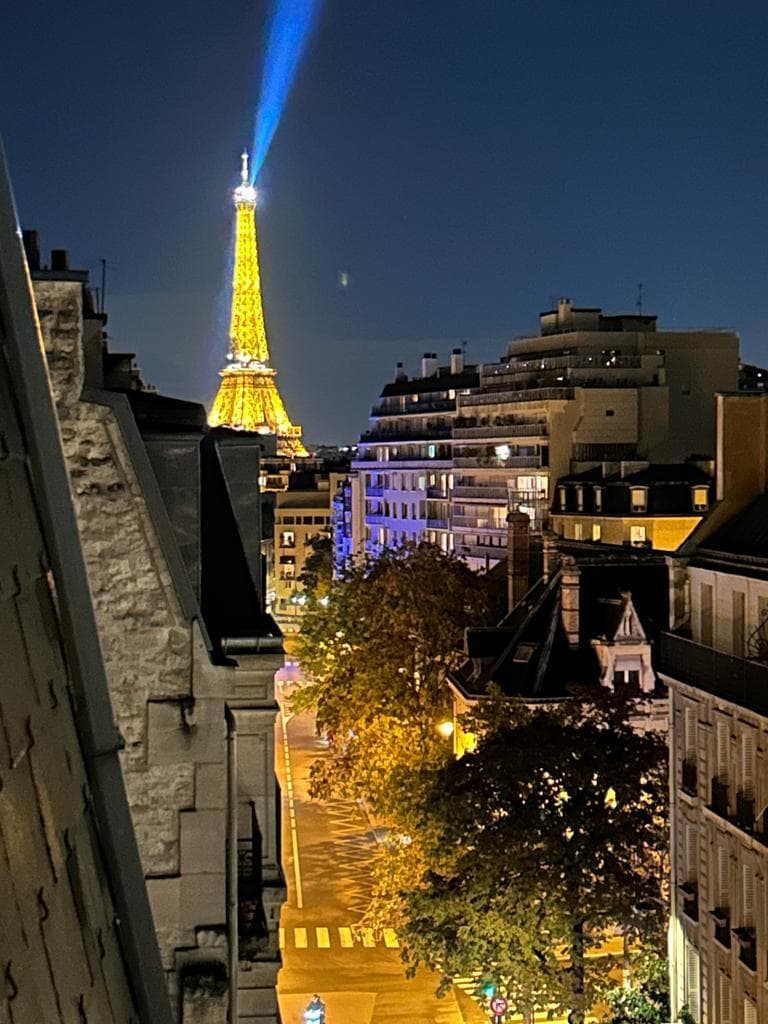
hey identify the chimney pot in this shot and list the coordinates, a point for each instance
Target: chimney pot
(457, 361)
(32, 249)
(518, 557)
(569, 600)
(59, 259)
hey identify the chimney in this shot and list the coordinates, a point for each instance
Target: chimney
(429, 364)
(32, 249)
(569, 600)
(518, 557)
(549, 553)
(59, 259)
(400, 373)
(457, 361)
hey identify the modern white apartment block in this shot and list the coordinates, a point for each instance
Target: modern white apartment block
(449, 452)
(717, 670)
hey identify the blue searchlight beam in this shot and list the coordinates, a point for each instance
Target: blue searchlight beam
(289, 28)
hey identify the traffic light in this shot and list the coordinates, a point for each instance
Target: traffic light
(489, 989)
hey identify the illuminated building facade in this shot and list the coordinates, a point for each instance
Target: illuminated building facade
(449, 452)
(248, 398)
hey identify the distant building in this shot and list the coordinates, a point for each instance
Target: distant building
(168, 514)
(449, 452)
(303, 513)
(639, 504)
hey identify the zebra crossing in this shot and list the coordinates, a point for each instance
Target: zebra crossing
(338, 937)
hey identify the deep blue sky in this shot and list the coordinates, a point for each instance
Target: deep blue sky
(465, 161)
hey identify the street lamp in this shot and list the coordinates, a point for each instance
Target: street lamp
(446, 728)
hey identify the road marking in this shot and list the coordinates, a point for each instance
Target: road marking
(292, 813)
(282, 938)
(390, 939)
(345, 937)
(369, 939)
(323, 938)
(300, 936)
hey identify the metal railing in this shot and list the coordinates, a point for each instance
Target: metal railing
(495, 431)
(494, 462)
(414, 408)
(489, 493)
(252, 920)
(738, 680)
(521, 395)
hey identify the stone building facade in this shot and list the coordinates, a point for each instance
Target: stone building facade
(77, 940)
(193, 697)
(716, 663)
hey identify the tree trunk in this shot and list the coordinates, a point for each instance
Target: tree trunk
(578, 956)
(528, 1017)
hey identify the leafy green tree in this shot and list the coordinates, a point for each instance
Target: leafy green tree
(317, 574)
(539, 844)
(645, 1000)
(377, 652)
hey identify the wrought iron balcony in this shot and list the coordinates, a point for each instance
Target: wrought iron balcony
(252, 919)
(722, 920)
(747, 947)
(719, 801)
(745, 811)
(414, 408)
(690, 777)
(690, 894)
(738, 680)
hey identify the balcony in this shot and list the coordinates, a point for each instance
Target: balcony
(374, 491)
(426, 434)
(737, 680)
(719, 801)
(494, 462)
(252, 920)
(437, 492)
(690, 894)
(745, 811)
(690, 777)
(722, 920)
(520, 395)
(495, 431)
(747, 947)
(414, 408)
(487, 493)
(437, 524)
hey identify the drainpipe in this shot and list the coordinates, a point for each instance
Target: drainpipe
(232, 904)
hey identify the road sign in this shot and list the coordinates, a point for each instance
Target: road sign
(499, 1005)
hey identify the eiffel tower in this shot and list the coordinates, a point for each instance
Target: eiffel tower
(248, 398)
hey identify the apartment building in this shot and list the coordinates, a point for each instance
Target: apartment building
(449, 452)
(716, 665)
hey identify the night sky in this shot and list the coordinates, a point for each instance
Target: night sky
(465, 162)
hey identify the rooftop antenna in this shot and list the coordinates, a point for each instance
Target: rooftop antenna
(639, 302)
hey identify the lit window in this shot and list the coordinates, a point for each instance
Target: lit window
(287, 539)
(580, 498)
(700, 499)
(431, 450)
(637, 534)
(561, 491)
(578, 531)
(638, 497)
(597, 532)
(598, 499)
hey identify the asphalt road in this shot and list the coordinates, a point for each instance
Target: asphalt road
(328, 849)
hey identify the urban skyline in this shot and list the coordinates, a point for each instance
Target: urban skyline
(639, 161)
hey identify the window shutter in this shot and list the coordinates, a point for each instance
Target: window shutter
(723, 879)
(748, 764)
(689, 732)
(748, 896)
(692, 979)
(691, 853)
(723, 739)
(750, 1012)
(725, 999)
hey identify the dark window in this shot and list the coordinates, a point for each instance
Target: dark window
(634, 677)
(307, 520)
(609, 412)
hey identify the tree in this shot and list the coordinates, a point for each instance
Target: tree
(540, 844)
(317, 575)
(645, 1000)
(377, 652)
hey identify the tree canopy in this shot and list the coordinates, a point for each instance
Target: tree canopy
(538, 845)
(376, 650)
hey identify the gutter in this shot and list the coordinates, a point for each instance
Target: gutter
(98, 736)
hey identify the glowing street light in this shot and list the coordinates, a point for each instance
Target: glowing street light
(446, 728)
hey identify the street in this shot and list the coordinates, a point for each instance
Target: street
(328, 849)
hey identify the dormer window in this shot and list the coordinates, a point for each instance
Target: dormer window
(598, 499)
(561, 493)
(638, 498)
(700, 499)
(580, 498)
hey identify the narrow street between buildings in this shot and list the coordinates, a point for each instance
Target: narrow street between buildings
(328, 849)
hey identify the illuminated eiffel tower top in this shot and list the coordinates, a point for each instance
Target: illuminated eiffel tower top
(248, 398)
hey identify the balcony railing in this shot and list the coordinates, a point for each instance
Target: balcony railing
(719, 801)
(738, 680)
(414, 408)
(437, 524)
(521, 395)
(494, 462)
(374, 491)
(252, 919)
(437, 492)
(488, 493)
(690, 779)
(722, 919)
(747, 947)
(426, 434)
(690, 893)
(495, 431)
